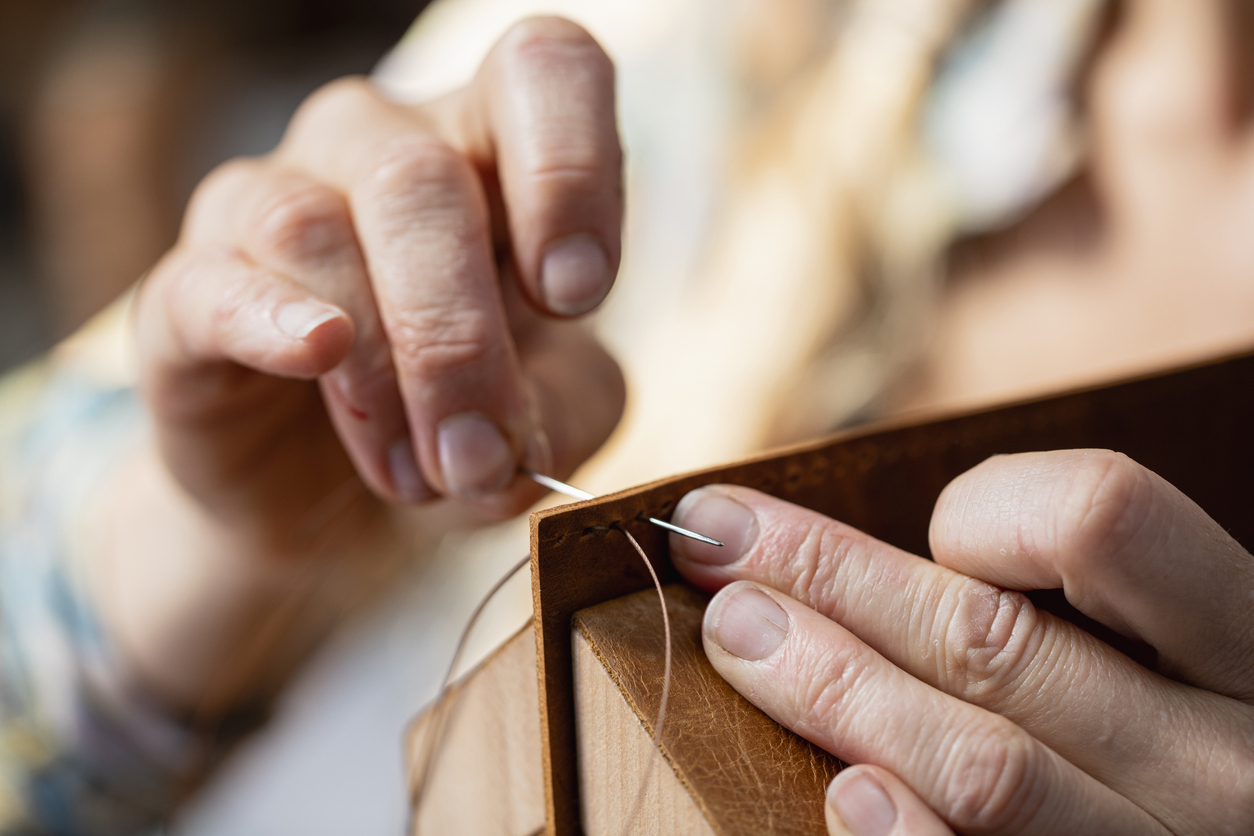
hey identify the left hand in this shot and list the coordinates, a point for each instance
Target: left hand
(375, 314)
(965, 708)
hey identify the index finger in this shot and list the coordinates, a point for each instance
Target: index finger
(984, 645)
(422, 219)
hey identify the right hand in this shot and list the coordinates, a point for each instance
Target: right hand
(386, 296)
(964, 708)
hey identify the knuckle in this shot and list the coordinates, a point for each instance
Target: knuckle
(827, 678)
(994, 781)
(229, 306)
(221, 186)
(809, 574)
(303, 224)
(989, 641)
(438, 343)
(227, 177)
(332, 103)
(418, 177)
(1106, 503)
(825, 550)
(202, 321)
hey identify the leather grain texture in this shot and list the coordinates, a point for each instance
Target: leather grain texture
(746, 774)
(1192, 426)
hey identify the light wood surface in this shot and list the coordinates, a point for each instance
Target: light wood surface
(486, 776)
(724, 769)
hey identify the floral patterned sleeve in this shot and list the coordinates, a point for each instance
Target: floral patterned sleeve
(78, 754)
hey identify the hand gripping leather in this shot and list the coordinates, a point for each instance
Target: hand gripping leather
(1193, 426)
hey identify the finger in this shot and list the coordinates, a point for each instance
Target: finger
(422, 221)
(199, 312)
(976, 642)
(1162, 103)
(575, 391)
(977, 770)
(216, 335)
(543, 105)
(1128, 549)
(303, 229)
(865, 800)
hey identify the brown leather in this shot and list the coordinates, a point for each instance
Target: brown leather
(1192, 426)
(747, 774)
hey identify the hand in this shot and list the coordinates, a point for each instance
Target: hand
(967, 709)
(414, 262)
(380, 303)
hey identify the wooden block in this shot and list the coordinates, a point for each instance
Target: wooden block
(486, 778)
(727, 769)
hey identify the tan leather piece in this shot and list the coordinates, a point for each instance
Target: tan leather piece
(747, 774)
(1192, 426)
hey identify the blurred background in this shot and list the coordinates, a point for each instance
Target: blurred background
(112, 110)
(839, 210)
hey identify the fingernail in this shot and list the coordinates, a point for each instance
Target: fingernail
(407, 480)
(474, 457)
(710, 512)
(299, 319)
(862, 805)
(748, 624)
(575, 275)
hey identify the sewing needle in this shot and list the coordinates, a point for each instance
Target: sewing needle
(574, 493)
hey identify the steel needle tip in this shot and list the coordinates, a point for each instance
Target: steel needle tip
(573, 492)
(701, 538)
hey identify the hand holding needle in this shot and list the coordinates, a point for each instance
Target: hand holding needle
(574, 493)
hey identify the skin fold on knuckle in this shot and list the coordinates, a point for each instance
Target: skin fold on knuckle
(207, 298)
(988, 639)
(440, 343)
(805, 557)
(199, 333)
(220, 188)
(817, 687)
(1104, 505)
(991, 778)
(302, 225)
(344, 101)
(417, 182)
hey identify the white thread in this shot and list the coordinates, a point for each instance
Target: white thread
(666, 692)
(441, 709)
